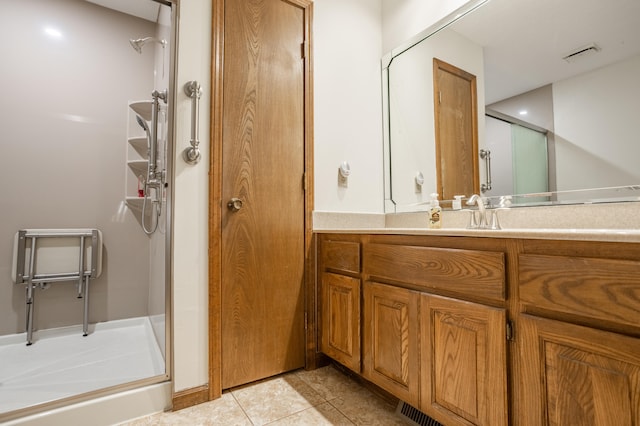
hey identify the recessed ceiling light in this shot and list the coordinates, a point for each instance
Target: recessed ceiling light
(523, 112)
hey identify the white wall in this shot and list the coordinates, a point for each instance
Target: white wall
(347, 104)
(402, 19)
(191, 201)
(590, 118)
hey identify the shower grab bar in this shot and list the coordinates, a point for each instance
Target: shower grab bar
(194, 91)
(485, 154)
(82, 275)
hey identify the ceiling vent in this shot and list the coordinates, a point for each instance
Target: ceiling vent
(580, 52)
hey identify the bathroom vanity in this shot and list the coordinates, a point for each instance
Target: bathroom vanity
(488, 327)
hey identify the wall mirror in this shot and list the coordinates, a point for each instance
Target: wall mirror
(557, 101)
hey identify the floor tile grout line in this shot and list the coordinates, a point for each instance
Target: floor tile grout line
(340, 411)
(242, 409)
(311, 405)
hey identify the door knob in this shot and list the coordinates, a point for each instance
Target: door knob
(234, 204)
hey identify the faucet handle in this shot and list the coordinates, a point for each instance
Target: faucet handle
(483, 223)
(495, 225)
(473, 222)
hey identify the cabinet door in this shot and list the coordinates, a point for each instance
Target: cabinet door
(390, 355)
(577, 375)
(340, 336)
(463, 362)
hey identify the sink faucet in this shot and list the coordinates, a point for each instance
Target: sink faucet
(482, 222)
(478, 200)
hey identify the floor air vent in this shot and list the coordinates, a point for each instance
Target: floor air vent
(415, 416)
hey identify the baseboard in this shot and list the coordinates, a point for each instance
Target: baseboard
(190, 397)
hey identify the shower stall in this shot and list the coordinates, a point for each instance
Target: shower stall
(86, 119)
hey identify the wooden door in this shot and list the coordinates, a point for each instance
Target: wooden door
(390, 341)
(580, 376)
(340, 337)
(263, 164)
(463, 362)
(456, 127)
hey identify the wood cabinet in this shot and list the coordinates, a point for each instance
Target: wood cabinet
(340, 293)
(488, 331)
(390, 329)
(463, 355)
(578, 375)
(340, 338)
(578, 345)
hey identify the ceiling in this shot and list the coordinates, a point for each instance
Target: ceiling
(145, 9)
(525, 41)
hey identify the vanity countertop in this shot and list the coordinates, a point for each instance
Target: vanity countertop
(615, 235)
(612, 223)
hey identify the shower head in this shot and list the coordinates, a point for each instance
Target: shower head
(137, 43)
(141, 121)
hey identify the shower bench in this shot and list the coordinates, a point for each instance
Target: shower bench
(44, 256)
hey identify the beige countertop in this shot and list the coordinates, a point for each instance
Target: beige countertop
(619, 222)
(618, 235)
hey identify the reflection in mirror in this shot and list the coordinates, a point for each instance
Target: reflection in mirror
(557, 94)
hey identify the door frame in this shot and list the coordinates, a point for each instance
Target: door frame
(216, 203)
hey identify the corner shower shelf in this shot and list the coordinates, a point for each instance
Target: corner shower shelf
(143, 108)
(138, 159)
(135, 203)
(139, 167)
(135, 206)
(139, 143)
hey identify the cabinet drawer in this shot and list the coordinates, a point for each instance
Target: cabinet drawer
(453, 271)
(601, 289)
(341, 256)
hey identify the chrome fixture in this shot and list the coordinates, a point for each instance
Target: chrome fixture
(485, 154)
(138, 43)
(482, 219)
(194, 91)
(155, 179)
(31, 268)
(143, 124)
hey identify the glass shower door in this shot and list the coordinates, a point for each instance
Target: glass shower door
(530, 162)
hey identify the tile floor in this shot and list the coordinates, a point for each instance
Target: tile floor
(324, 396)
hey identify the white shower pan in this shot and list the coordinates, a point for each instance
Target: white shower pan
(63, 363)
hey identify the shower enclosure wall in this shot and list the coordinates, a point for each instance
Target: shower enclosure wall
(73, 156)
